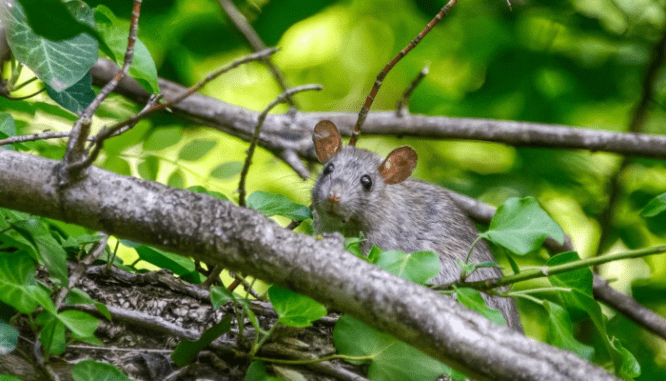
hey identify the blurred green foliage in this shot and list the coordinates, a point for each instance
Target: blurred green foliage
(575, 62)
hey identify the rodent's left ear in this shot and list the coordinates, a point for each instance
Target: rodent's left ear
(399, 165)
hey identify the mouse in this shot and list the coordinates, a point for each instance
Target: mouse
(357, 191)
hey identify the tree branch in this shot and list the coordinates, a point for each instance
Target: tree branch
(217, 232)
(283, 133)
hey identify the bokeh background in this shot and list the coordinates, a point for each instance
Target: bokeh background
(576, 63)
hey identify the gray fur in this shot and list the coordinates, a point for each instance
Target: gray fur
(409, 216)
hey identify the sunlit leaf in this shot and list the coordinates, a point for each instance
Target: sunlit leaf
(227, 170)
(521, 226)
(90, 370)
(271, 204)
(178, 264)
(196, 149)
(391, 359)
(560, 332)
(59, 64)
(293, 309)
(418, 267)
(656, 206)
(473, 300)
(114, 32)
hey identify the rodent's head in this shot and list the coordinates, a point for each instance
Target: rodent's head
(354, 181)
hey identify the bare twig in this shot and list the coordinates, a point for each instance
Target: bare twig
(403, 103)
(105, 133)
(635, 125)
(241, 122)
(33, 137)
(26, 96)
(257, 131)
(81, 129)
(255, 42)
(380, 77)
(96, 251)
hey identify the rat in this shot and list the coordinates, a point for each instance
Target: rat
(357, 191)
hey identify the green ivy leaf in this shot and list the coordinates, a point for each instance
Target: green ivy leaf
(418, 267)
(375, 252)
(76, 97)
(293, 309)
(353, 245)
(581, 301)
(6, 377)
(391, 359)
(630, 367)
(187, 350)
(8, 338)
(52, 337)
(656, 206)
(17, 284)
(78, 296)
(560, 332)
(50, 252)
(178, 264)
(521, 226)
(219, 296)
(80, 323)
(196, 149)
(473, 300)
(271, 204)
(227, 170)
(163, 137)
(7, 129)
(59, 64)
(176, 179)
(117, 165)
(149, 167)
(90, 370)
(257, 372)
(114, 33)
(53, 20)
(200, 189)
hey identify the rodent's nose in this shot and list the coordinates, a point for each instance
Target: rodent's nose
(334, 198)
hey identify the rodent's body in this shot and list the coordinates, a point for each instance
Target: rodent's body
(409, 215)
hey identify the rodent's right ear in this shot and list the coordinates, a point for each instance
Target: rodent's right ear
(327, 141)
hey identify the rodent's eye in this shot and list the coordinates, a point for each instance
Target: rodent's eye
(366, 181)
(329, 168)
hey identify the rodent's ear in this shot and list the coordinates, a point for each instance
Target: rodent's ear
(399, 164)
(326, 140)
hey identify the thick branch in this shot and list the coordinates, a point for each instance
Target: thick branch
(239, 239)
(282, 133)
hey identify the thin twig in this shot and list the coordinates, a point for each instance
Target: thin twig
(26, 96)
(115, 128)
(96, 251)
(29, 81)
(403, 103)
(255, 42)
(635, 126)
(257, 131)
(380, 77)
(81, 129)
(33, 137)
(98, 140)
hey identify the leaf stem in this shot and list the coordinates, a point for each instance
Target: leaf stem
(546, 271)
(313, 361)
(471, 248)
